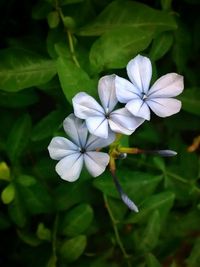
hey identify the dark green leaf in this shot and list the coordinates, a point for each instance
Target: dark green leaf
(28, 238)
(194, 258)
(191, 100)
(152, 261)
(53, 19)
(20, 69)
(43, 233)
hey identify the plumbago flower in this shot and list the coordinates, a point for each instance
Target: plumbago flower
(100, 120)
(140, 99)
(81, 150)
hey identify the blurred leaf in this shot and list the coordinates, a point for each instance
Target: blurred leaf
(115, 48)
(191, 100)
(72, 249)
(35, 196)
(43, 233)
(53, 19)
(77, 220)
(161, 45)
(41, 9)
(8, 194)
(18, 137)
(132, 14)
(152, 261)
(52, 261)
(73, 79)
(47, 125)
(149, 239)
(137, 185)
(4, 171)
(4, 222)
(166, 4)
(68, 2)
(18, 100)
(28, 238)
(21, 68)
(194, 259)
(162, 202)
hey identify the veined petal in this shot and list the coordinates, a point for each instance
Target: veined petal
(76, 129)
(98, 126)
(138, 108)
(122, 121)
(95, 142)
(96, 162)
(139, 71)
(86, 106)
(125, 90)
(164, 107)
(69, 168)
(168, 85)
(107, 94)
(61, 147)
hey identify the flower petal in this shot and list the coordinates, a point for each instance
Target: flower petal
(98, 126)
(164, 107)
(125, 90)
(122, 121)
(95, 142)
(86, 106)
(96, 162)
(107, 94)
(76, 129)
(69, 168)
(139, 71)
(61, 147)
(168, 85)
(139, 108)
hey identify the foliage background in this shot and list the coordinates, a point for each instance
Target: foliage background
(50, 50)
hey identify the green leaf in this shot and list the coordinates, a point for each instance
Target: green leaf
(18, 137)
(21, 68)
(8, 194)
(72, 249)
(166, 4)
(28, 238)
(4, 171)
(43, 233)
(47, 125)
(194, 258)
(162, 202)
(4, 221)
(131, 14)
(137, 185)
(73, 79)
(115, 48)
(53, 19)
(152, 261)
(77, 220)
(35, 196)
(18, 99)
(161, 45)
(191, 100)
(149, 239)
(68, 2)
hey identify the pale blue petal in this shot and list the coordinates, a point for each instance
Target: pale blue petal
(98, 126)
(76, 129)
(95, 142)
(96, 162)
(107, 94)
(139, 71)
(139, 108)
(69, 168)
(61, 147)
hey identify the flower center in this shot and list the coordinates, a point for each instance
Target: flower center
(82, 150)
(144, 96)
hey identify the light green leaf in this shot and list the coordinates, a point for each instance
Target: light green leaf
(18, 137)
(131, 14)
(4, 171)
(161, 45)
(72, 249)
(115, 48)
(43, 233)
(77, 220)
(8, 194)
(191, 100)
(20, 68)
(152, 261)
(53, 19)
(73, 79)
(162, 202)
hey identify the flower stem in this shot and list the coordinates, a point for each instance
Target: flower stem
(71, 48)
(115, 229)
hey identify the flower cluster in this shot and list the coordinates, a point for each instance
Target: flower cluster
(93, 125)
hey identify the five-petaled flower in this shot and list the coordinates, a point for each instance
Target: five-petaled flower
(140, 99)
(100, 120)
(81, 150)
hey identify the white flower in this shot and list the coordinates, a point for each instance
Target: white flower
(140, 99)
(100, 119)
(81, 150)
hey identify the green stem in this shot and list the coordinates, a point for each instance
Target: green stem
(117, 236)
(54, 239)
(71, 48)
